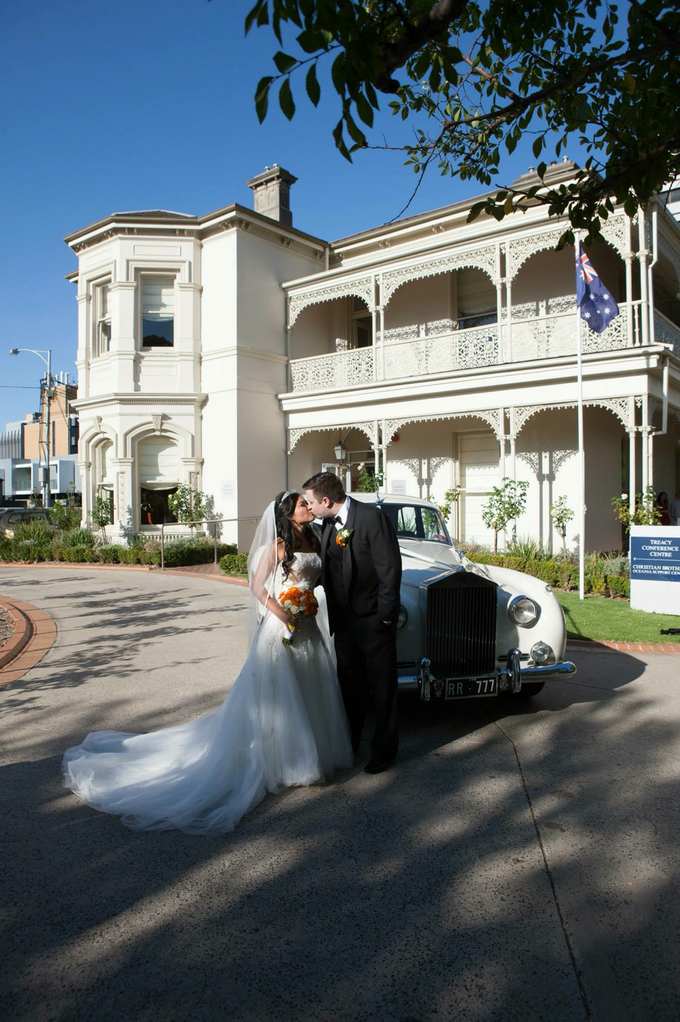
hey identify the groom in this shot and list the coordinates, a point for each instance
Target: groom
(361, 574)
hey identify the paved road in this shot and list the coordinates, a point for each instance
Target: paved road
(516, 864)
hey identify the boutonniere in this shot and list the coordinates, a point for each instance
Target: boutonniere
(343, 536)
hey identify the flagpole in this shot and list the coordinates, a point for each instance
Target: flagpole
(581, 452)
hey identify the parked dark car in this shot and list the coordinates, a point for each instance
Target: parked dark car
(13, 516)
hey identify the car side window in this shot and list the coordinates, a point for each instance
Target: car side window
(406, 522)
(13, 519)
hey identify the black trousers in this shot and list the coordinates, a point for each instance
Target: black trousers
(367, 661)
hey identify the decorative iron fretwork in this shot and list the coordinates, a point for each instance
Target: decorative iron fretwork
(619, 406)
(532, 459)
(492, 416)
(483, 258)
(666, 332)
(333, 372)
(521, 249)
(296, 434)
(461, 349)
(361, 287)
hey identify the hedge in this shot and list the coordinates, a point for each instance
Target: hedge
(234, 564)
(560, 574)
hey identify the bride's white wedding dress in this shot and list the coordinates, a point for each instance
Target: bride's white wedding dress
(282, 723)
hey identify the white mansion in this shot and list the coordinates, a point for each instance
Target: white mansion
(233, 351)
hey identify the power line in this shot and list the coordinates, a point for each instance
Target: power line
(16, 386)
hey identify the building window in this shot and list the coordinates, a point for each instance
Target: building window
(154, 507)
(102, 333)
(158, 312)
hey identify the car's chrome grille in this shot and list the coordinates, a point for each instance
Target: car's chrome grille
(461, 625)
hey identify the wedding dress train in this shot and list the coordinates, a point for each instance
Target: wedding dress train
(282, 723)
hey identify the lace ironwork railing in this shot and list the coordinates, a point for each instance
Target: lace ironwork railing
(462, 349)
(551, 336)
(474, 348)
(666, 332)
(333, 372)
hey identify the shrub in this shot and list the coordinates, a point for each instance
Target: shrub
(618, 586)
(75, 554)
(110, 554)
(40, 533)
(77, 537)
(194, 551)
(66, 515)
(31, 551)
(234, 564)
(527, 548)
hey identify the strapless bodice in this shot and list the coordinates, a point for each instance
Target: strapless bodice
(304, 572)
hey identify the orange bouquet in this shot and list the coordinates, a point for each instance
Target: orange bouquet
(298, 602)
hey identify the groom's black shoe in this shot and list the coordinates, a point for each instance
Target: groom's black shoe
(376, 766)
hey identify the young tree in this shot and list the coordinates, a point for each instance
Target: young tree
(646, 512)
(561, 515)
(188, 504)
(471, 78)
(506, 503)
(101, 513)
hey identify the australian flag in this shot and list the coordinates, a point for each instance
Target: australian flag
(596, 305)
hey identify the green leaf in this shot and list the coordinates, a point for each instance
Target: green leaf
(340, 142)
(364, 109)
(310, 42)
(629, 82)
(312, 84)
(262, 97)
(541, 169)
(286, 99)
(252, 15)
(355, 132)
(284, 62)
(338, 73)
(537, 146)
(630, 205)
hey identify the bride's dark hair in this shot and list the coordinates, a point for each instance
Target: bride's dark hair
(284, 506)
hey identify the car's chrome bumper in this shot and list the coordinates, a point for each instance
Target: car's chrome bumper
(510, 678)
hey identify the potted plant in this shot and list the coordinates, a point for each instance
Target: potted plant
(146, 513)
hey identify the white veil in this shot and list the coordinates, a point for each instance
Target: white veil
(262, 565)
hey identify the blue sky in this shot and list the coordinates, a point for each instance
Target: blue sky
(145, 104)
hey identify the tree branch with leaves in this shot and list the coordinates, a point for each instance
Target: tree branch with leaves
(471, 79)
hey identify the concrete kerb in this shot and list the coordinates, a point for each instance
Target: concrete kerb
(34, 634)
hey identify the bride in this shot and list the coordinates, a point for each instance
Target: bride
(282, 723)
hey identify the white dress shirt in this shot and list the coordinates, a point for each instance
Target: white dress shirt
(342, 516)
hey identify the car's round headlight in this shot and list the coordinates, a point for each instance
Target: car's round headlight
(541, 652)
(522, 610)
(402, 617)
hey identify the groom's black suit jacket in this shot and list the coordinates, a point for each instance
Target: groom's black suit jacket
(371, 568)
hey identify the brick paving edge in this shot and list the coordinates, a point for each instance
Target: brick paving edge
(35, 640)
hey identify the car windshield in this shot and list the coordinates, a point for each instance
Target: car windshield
(411, 521)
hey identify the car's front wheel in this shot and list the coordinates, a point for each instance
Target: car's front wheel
(529, 689)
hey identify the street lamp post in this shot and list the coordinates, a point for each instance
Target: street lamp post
(46, 356)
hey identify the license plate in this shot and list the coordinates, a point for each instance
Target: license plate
(470, 688)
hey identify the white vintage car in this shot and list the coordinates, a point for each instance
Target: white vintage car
(467, 630)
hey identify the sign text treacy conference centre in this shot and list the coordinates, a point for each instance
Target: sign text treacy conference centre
(655, 568)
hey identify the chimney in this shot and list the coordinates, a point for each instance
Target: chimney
(271, 193)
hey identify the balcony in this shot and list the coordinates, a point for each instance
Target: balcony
(526, 339)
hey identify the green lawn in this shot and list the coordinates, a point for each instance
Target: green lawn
(597, 617)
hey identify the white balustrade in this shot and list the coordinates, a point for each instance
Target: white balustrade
(524, 339)
(666, 332)
(332, 372)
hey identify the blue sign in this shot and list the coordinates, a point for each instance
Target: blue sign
(656, 558)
